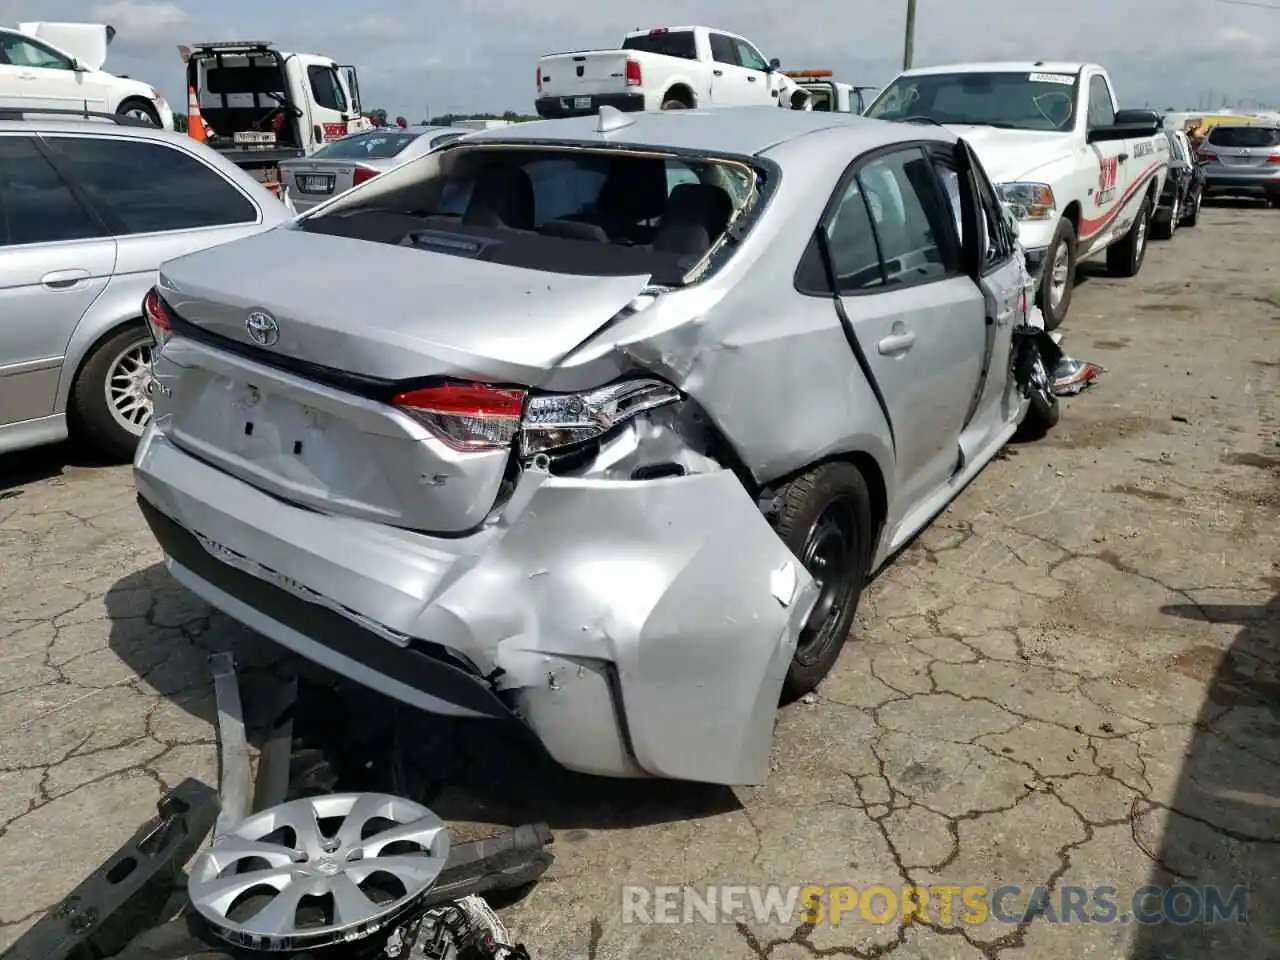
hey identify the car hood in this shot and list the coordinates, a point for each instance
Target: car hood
(393, 313)
(1012, 155)
(87, 42)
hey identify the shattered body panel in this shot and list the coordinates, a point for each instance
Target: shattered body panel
(628, 600)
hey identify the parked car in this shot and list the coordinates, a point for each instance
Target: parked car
(636, 404)
(91, 209)
(667, 68)
(1179, 204)
(348, 162)
(59, 66)
(1243, 161)
(1081, 175)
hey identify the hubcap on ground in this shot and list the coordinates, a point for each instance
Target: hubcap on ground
(830, 555)
(1058, 275)
(128, 387)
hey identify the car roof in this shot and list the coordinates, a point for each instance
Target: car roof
(743, 131)
(37, 122)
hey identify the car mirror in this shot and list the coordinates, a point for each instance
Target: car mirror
(77, 66)
(775, 64)
(1122, 131)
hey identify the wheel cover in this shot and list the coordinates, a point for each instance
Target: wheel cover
(255, 884)
(1059, 275)
(1140, 244)
(128, 387)
(1177, 212)
(830, 554)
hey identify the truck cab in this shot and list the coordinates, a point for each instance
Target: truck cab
(261, 106)
(816, 90)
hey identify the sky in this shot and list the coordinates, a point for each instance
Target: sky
(476, 56)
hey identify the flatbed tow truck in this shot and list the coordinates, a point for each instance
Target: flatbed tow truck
(826, 94)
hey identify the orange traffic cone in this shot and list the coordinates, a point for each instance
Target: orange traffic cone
(195, 122)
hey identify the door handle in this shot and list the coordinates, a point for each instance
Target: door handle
(63, 279)
(751, 78)
(717, 73)
(896, 343)
(27, 76)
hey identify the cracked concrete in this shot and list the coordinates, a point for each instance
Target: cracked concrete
(1071, 679)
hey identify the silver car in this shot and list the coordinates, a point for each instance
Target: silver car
(89, 208)
(349, 162)
(1242, 160)
(635, 406)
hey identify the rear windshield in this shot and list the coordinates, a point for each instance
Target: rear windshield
(377, 145)
(679, 44)
(1244, 136)
(574, 212)
(238, 73)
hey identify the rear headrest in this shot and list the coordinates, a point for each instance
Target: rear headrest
(696, 215)
(502, 197)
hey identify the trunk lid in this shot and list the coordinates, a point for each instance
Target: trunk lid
(87, 42)
(391, 312)
(1244, 147)
(584, 74)
(378, 312)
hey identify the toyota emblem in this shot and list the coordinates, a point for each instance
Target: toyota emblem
(262, 328)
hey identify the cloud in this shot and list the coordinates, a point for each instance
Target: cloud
(142, 26)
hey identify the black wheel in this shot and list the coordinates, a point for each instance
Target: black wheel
(1124, 259)
(1273, 200)
(1059, 279)
(673, 104)
(1043, 413)
(139, 109)
(110, 402)
(1191, 214)
(824, 518)
(1162, 225)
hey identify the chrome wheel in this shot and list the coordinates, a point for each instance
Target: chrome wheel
(128, 387)
(1176, 214)
(319, 870)
(1059, 274)
(1140, 239)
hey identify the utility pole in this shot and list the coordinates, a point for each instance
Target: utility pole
(909, 42)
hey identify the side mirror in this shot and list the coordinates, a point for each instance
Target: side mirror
(77, 66)
(775, 64)
(1122, 131)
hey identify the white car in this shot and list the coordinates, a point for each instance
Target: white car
(58, 66)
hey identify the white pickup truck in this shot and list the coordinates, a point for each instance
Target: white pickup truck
(667, 68)
(1080, 175)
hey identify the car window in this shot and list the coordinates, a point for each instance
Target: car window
(145, 187)
(678, 43)
(908, 212)
(563, 188)
(749, 56)
(22, 52)
(1102, 110)
(722, 49)
(440, 141)
(377, 145)
(36, 205)
(851, 241)
(1244, 137)
(326, 88)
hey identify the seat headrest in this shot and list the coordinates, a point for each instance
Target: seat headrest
(501, 197)
(696, 215)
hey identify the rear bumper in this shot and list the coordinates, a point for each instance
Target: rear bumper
(1243, 183)
(555, 108)
(637, 628)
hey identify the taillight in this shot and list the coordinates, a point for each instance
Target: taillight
(1274, 158)
(634, 79)
(360, 174)
(539, 76)
(467, 416)
(277, 122)
(1206, 155)
(158, 316)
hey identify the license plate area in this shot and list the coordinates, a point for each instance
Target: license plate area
(582, 103)
(271, 429)
(314, 182)
(254, 138)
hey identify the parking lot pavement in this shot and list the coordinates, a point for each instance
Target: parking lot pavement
(1069, 681)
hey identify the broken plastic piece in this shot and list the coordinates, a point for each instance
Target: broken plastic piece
(1072, 376)
(234, 747)
(782, 584)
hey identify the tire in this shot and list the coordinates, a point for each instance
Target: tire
(1044, 412)
(1124, 259)
(140, 109)
(1053, 306)
(1273, 200)
(824, 518)
(671, 103)
(119, 365)
(1162, 228)
(1192, 216)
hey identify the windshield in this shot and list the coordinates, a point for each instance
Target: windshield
(563, 211)
(1021, 101)
(378, 145)
(1244, 136)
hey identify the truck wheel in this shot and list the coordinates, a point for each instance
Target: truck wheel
(1162, 228)
(1059, 279)
(1124, 259)
(824, 518)
(110, 401)
(674, 104)
(1191, 216)
(139, 109)
(1042, 413)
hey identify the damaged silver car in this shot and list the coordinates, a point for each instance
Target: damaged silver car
(632, 407)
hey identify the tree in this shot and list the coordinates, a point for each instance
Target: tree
(180, 122)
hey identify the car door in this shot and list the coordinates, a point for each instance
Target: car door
(329, 102)
(755, 72)
(917, 319)
(49, 79)
(728, 86)
(56, 258)
(1112, 163)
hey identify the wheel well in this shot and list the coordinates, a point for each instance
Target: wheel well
(870, 471)
(1072, 213)
(140, 101)
(97, 343)
(682, 93)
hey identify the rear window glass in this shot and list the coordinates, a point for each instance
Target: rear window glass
(366, 146)
(679, 44)
(1245, 136)
(579, 212)
(241, 74)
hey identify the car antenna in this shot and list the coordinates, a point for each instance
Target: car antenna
(611, 119)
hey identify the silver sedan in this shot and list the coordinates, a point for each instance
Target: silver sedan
(349, 162)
